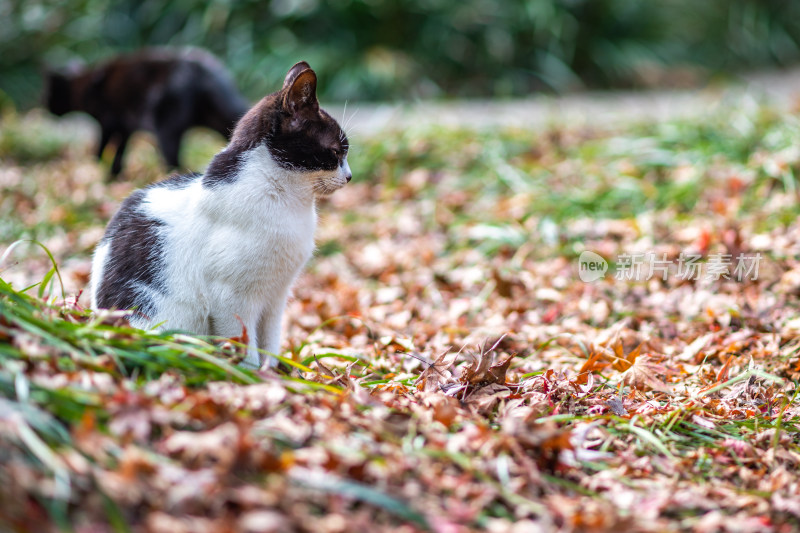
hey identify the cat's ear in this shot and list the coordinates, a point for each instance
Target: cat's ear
(293, 73)
(300, 92)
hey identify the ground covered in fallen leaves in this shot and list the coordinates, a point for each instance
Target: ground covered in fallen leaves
(448, 368)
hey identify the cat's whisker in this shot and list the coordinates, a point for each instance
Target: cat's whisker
(346, 126)
(344, 114)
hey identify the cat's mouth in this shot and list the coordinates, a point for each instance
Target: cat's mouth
(328, 186)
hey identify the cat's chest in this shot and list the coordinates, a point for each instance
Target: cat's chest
(274, 234)
(235, 236)
(263, 240)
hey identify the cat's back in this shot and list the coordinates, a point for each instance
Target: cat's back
(161, 68)
(125, 83)
(141, 82)
(128, 263)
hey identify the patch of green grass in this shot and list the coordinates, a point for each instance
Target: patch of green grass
(27, 139)
(564, 175)
(199, 146)
(73, 338)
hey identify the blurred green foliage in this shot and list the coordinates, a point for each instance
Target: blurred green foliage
(27, 141)
(387, 49)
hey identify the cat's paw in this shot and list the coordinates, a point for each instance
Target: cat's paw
(253, 360)
(262, 362)
(249, 365)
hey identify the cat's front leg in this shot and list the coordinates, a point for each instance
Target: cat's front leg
(269, 332)
(230, 325)
(253, 360)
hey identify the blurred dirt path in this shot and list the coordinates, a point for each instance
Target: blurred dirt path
(779, 89)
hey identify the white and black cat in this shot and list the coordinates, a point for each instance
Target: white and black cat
(195, 252)
(163, 90)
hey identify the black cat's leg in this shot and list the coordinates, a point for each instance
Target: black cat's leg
(169, 140)
(105, 136)
(116, 166)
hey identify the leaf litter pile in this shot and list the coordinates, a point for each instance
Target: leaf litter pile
(445, 367)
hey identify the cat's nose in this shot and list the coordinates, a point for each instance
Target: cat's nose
(348, 177)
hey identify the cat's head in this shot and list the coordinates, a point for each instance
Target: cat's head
(300, 136)
(59, 87)
(58, 92)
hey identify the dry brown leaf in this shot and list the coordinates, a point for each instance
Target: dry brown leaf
(642, 374)
(595, 363)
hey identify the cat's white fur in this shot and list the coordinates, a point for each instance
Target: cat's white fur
(233, 250)
(98, 265)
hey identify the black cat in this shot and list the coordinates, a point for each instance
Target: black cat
(165, 91)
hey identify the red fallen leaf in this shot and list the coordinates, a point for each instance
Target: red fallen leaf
(595, 363)
(739, 447)
(703, 241)
(395, 388)
(244, 338)
(86, 427)
(135, 462)
(722, 375)
(620, 361)
(444, 410)
(551, 314)
(732, 239)
(547, 447)
(582, 389)
(735, 184)
(4, 324)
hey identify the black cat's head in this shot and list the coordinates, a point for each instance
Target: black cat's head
(58, 92)
(300, 136)
(61, 86)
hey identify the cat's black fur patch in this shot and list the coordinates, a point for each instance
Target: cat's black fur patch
(223, 168)
(319, 145)
(134, 258)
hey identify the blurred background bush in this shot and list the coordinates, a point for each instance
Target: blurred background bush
(408, 49)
